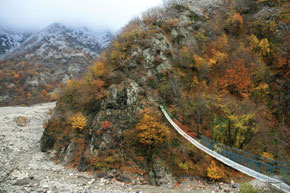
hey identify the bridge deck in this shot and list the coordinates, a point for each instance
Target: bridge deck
(278, 184)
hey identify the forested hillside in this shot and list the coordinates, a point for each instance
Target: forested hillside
(222, 69)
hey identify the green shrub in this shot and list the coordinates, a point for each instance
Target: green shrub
(249, 188)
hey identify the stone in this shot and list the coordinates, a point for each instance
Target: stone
(124, 178)
(90, 182)
(160, 175)
(148, 58)
(21, 121)
(183, 20)
(22, 182)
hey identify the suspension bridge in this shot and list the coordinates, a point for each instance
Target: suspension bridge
(253, 165)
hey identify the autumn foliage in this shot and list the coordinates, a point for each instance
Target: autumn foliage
(78, 121)
(214, 172)
(150, 130)
(237, 80)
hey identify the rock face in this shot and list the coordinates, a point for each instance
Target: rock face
(48, 58)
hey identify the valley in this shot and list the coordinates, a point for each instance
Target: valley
(88, 110)
(24, 168)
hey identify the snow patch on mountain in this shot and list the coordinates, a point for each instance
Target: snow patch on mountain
(10, 40)
(60, 41)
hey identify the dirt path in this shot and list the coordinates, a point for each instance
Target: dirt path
(23, 168)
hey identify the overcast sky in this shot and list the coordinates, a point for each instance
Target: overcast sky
(37, 14)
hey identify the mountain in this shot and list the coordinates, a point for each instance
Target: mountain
(46, 59)
(223, 72)
(59, 41)
(10, 39)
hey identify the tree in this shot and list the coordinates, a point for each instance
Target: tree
(214, 172)
(233, 123)
(237, 80)
(78, 121)
(16, 76)
(44, 93)
(264, 47)
(236, 22)
(96, 71)
(151, 134)
(150, 131)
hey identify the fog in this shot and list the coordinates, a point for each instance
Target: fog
(36, 14)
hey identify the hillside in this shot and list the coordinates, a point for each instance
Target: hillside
(10, 40)
(221, 68)
(34, 68)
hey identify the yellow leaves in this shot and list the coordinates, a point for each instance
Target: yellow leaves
(214, 172)
(198, 61)
(77, 121)
(72, 84)
(262, 86)
(254, 41)
(261, 46)
(118, 52)
(219, 56)
(97, 70)
(231, 126)
(212, 61)
(267, 155)
(264, 47)
(150, 131)
(260, 1)
(195, 81)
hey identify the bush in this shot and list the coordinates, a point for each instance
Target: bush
(249, 188)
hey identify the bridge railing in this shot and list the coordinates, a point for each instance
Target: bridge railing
(258, 163)
(261, 167)
(276, 166)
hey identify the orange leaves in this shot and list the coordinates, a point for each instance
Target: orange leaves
(237, 24)
(238, 19)
(173, 22)
(44, 93)
(16, 76)
(214, 172)
(237, 80)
